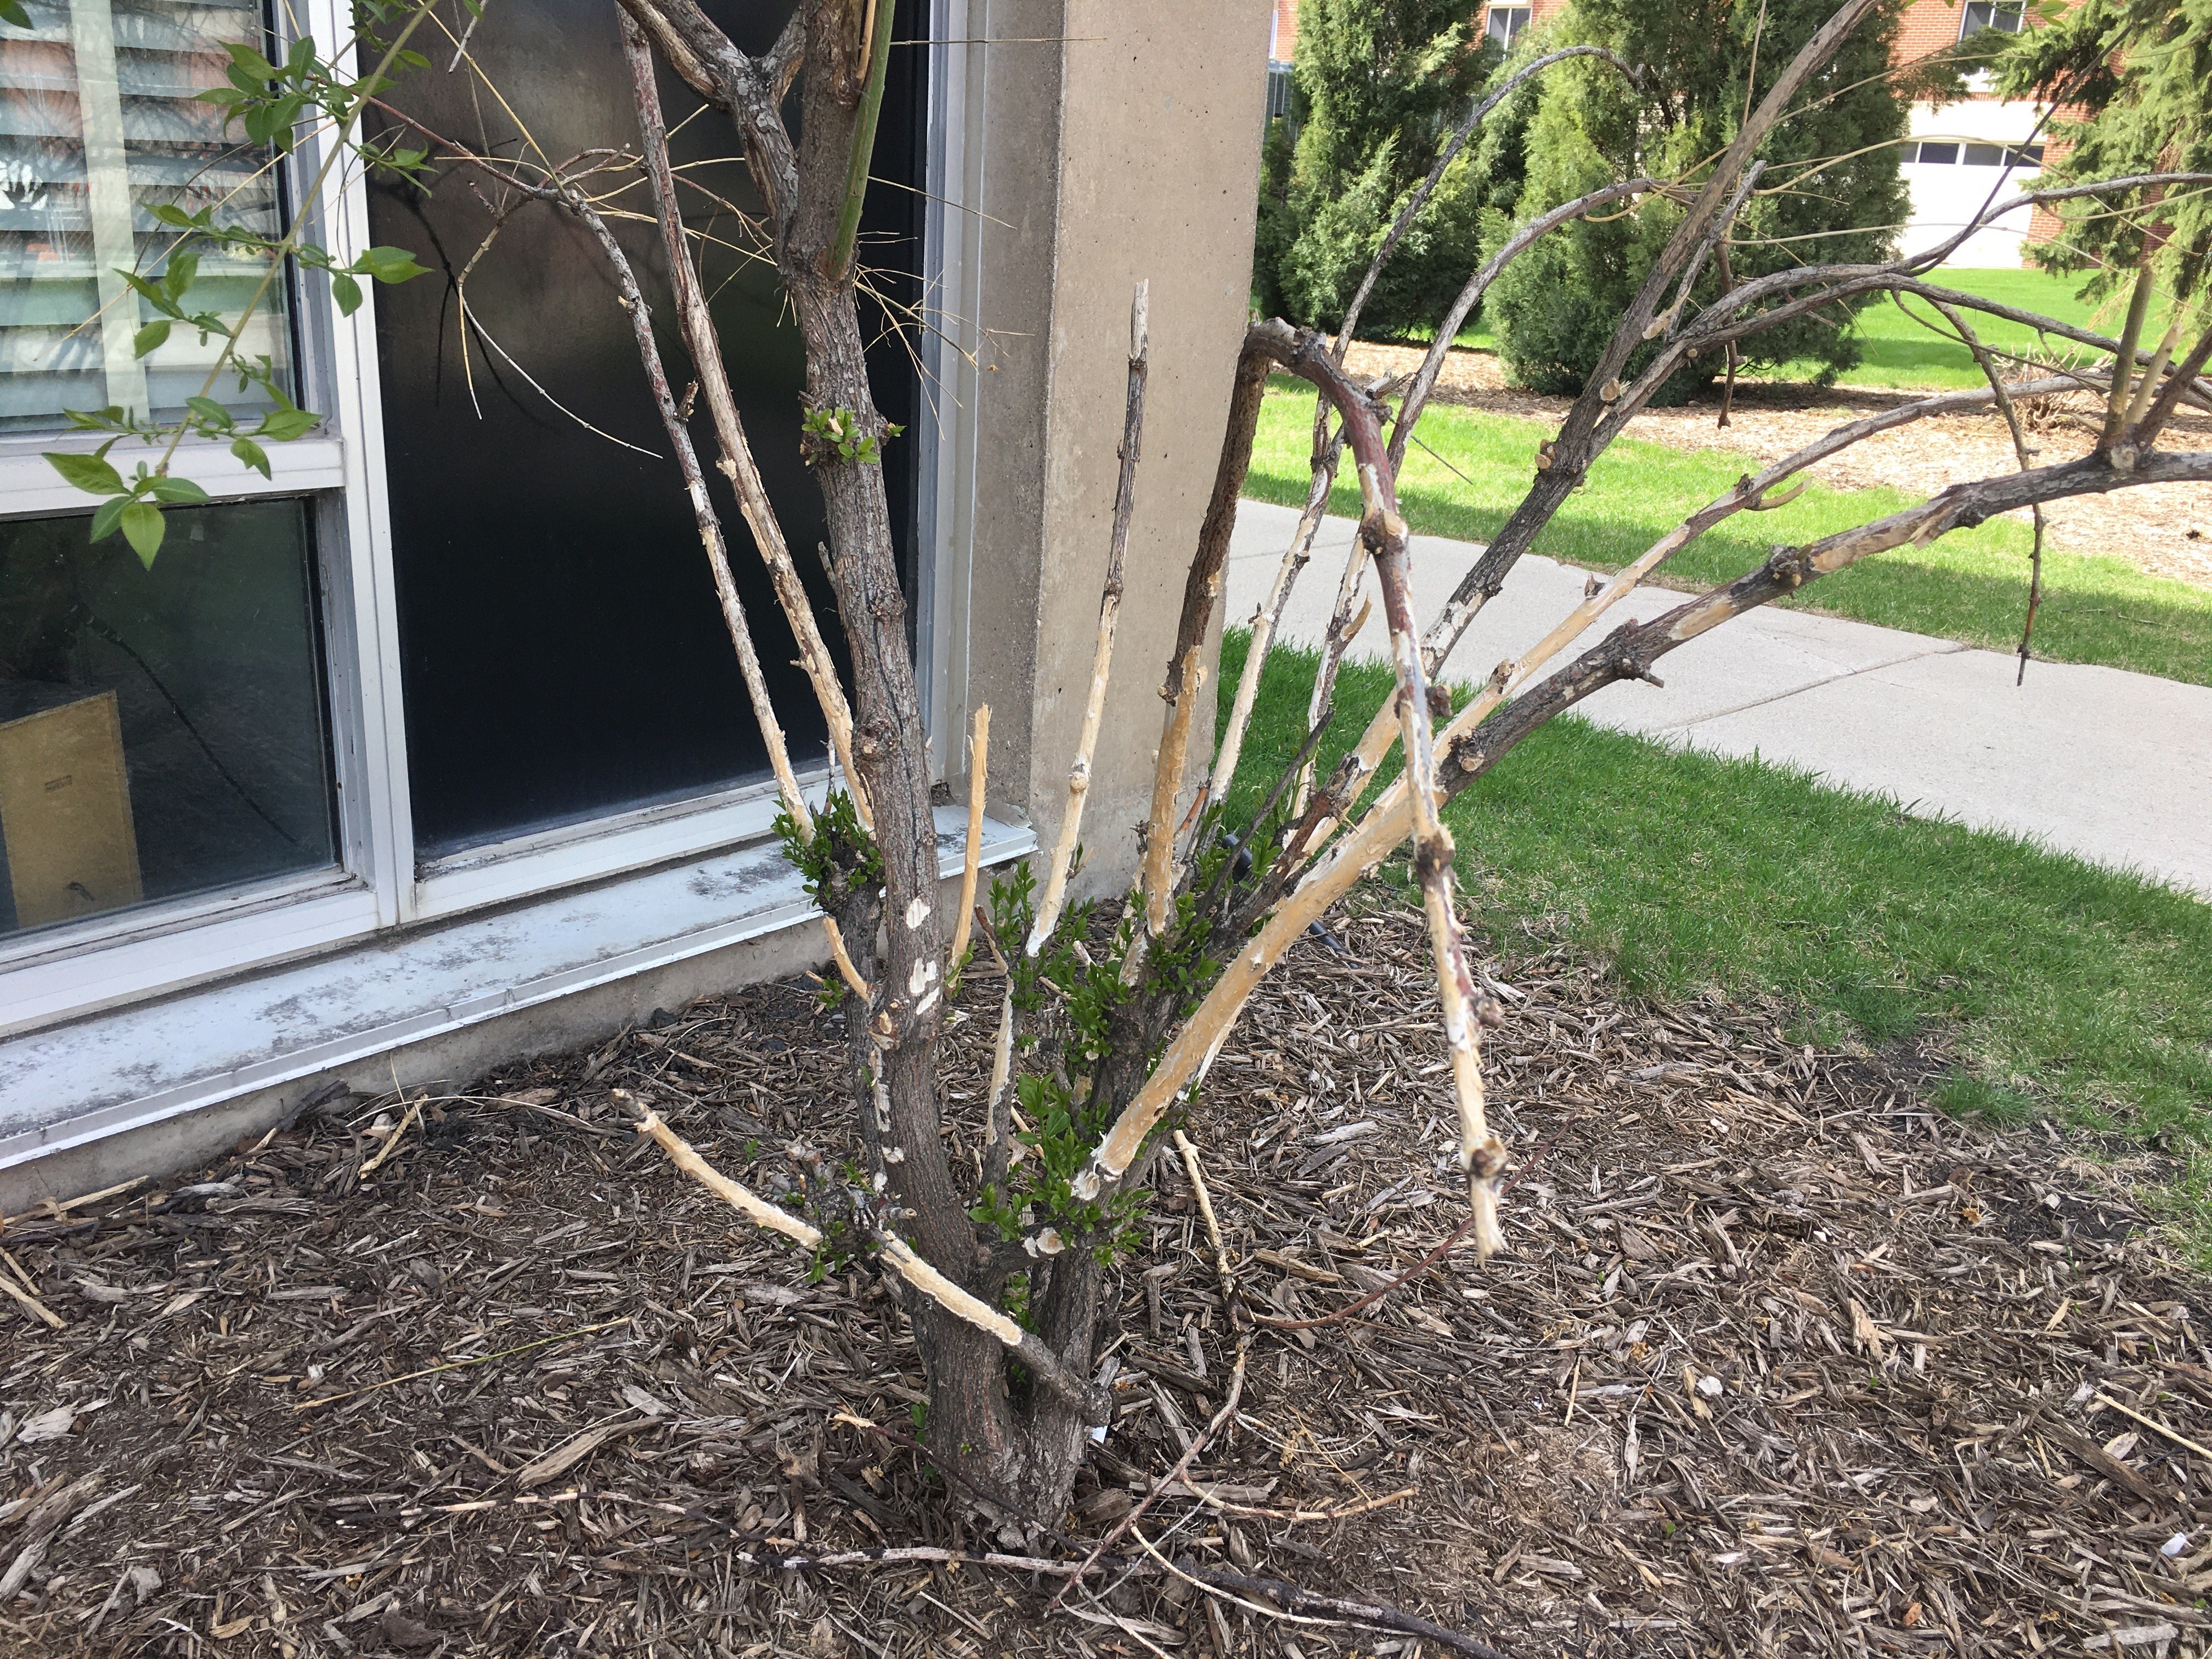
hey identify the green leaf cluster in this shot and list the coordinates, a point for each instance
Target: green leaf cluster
(825, 432)
(842, 855)
(134, 504)
(272, 100)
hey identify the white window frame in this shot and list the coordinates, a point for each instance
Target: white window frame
(1966, 12)
(1513, 31)
(378, 884)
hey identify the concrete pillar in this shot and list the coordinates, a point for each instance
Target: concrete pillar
(1129, 150)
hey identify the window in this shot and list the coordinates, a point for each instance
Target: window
(458, 651)
(563, 657)
(2009, 15)
(1504, 24)
(163, 730)
(99, 124)
(2024, 157)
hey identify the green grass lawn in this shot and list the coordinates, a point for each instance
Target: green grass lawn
(1902, 351)
(2057, 984)
(1970, 586)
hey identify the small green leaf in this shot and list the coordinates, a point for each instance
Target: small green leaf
(253, 62)
(183, 269)
(211, 411)
(153, 293)
(143, 528)
(252, 454)
(181, 492)
(11, 12)
(150, 338)
(346, 294)
(285, 424)
(170, 213)
(90, 473)
(390, 265)
(103, 522)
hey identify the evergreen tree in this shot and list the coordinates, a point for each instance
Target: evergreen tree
(1831, 192)
(1377, 85)
(2144, 66)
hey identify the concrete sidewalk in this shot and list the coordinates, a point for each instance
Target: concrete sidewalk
(2112, 766)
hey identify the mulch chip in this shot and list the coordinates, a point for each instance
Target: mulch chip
(1782, 1361)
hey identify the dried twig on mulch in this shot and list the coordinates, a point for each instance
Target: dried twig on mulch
(1780, 1361)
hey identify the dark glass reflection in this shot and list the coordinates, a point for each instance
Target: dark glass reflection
(564, 656)
(161, 731)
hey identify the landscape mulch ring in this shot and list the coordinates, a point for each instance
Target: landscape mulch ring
(2166, 530)
(1781, 1360)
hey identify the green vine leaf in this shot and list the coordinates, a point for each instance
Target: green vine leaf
(143, 528)
(90, 473)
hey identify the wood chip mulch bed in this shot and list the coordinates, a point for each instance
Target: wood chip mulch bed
(2165, 530)
(1782, 1361)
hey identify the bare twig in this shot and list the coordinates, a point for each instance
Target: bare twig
(1109, 609)
(701, 339)
(896, 1255)
(1269, 616)
(1188, 1154)
(1182, 1467)
(979, 757)
(1445, 156)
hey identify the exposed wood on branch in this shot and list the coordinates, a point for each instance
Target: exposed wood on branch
(895, 1254)
(979, 757)
(1109, 609)
(1186, 663)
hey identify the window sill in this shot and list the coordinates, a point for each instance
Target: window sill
(599, 847)
(73, 1084)
(31, 488)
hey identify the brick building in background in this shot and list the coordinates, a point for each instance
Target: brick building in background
(1952, 155)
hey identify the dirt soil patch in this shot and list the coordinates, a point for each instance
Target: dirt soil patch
(2166, 530)
(1782, 1361)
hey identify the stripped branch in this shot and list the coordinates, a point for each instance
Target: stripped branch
(1186, 663)
(979, 759)
(1109, 611)
(895, 1253)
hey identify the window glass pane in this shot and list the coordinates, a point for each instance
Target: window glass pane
(161, 731)
(1983, 155)
(1939, 155)
(563, 654)
(99, 124)
(1504, 24)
